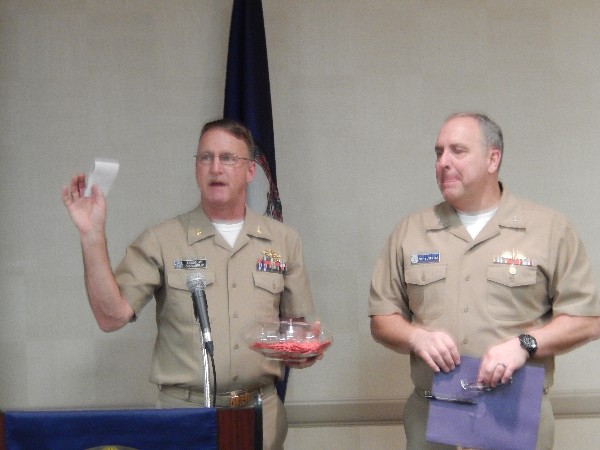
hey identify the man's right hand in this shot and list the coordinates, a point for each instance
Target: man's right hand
(87, 213)
(436, 348)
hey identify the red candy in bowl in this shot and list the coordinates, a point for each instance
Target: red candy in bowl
(289, 341)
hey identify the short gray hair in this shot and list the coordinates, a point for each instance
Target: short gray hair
(236, 129)
(491, 132)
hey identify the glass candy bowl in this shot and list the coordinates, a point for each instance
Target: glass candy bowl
(289, 341)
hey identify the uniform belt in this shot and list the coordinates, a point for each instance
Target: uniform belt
(233, 399)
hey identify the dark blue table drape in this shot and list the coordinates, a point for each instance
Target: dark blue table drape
(140, 429)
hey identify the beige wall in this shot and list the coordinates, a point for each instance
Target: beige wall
(359, 90)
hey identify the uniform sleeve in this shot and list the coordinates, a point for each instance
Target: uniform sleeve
(141, 272)
(296, 299)
(388, 290)
(572, 289)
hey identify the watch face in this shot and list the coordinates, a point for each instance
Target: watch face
(528, 342)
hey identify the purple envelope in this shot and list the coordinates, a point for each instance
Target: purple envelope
(505, 418)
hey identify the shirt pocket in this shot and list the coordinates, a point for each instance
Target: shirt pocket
(511, 296)
(425, 286)
(267, 294)
(178, 304)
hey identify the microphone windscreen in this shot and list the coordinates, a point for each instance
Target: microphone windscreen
(196, 280)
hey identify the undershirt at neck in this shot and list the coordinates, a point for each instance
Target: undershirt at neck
(474, 223)
(229, 231)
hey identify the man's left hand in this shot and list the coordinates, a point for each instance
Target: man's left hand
(315, 327)
(500, 362)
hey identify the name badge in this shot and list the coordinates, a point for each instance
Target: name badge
(190, 264)
(425, 258)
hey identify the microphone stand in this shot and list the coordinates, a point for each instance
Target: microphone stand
(207, 389)
(196, 283)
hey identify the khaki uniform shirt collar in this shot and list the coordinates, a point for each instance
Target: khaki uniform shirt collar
(510, 212)
(509, 215)
(256, 225)
(200, 227)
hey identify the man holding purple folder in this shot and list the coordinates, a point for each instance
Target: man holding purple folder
(484, 274)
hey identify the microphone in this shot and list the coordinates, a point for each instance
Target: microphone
(196, 284)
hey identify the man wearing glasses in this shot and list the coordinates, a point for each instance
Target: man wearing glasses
(225, 241)
(483, 274)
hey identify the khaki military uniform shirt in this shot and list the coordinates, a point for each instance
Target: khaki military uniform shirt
(526, 265)
(238, 295)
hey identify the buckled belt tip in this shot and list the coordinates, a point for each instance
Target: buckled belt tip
(233, 399)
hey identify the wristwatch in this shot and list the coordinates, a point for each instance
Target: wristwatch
(529, 343)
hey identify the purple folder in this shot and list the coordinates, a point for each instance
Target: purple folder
(505, 418)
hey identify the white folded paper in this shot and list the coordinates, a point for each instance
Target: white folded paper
(102, 175)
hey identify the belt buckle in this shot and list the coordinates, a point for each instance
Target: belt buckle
(238, 399)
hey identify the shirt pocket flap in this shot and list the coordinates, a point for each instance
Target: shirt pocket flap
(523, 276)
(424, 275)
(177, 278)
(272, 282)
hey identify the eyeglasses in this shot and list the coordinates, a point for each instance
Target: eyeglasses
(480, 387)
(227, 159)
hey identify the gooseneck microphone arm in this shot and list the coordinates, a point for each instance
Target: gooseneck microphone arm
(196, 284)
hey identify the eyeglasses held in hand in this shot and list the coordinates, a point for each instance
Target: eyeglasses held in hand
(227, 159)
(480, 387)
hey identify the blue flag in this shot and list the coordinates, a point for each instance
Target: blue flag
(248, 99)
